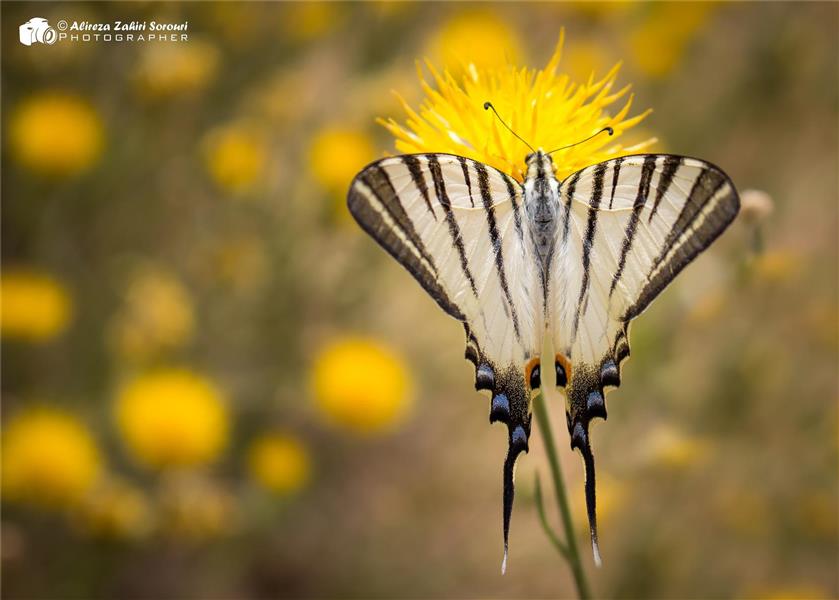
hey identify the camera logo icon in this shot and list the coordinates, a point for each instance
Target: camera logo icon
(35, 30)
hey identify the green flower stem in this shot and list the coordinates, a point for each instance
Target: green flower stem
(571, 554)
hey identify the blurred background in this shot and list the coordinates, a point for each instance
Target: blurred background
(209, 389)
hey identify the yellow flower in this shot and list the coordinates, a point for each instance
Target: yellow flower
(336, 154)
(194, 507)
(611, 498)
(49, 458)
(586, 58)
(304, 21)
(776, 266)
(56, 133)
(241, 263)
(115, 509)
(156, 314)
(477, 37)
(33, 305)
(236, 156)
(165, 70)
(670, 448)
(279, 463)
(788, 592)
(172, 418)
(744, 510)
(361, 385)
(658, 44)
(543, 107)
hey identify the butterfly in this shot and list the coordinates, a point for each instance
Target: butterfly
(576, 260)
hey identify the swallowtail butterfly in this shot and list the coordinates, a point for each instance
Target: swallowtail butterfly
(577, 259)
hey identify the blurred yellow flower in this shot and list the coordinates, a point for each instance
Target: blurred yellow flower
(586, 58)
(115, 509)
(49, 458)
(33, 305)
(172, 418)
(657, 45)
(611, 498)
(156, 314)
(236, 156)
(241, 262)
(744, 510)
(279, 463)
(56, 133)
(305, 21)
(361, 385)
(195, 508)
(706, 308)
(670, 448)
(776, 266)
(544, 108)
(788, 592)
(167, 69)
(336, 154)
(481, 35)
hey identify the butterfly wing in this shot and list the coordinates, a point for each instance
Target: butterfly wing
(456, 225)
(629, 226)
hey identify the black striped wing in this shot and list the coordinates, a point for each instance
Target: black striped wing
(458, 227)
(629, 226)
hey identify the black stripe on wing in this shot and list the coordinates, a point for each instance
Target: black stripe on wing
(454, 228)
(710, 208)
(495, 239)
(374, 203)
(647, 171)
(591, 227)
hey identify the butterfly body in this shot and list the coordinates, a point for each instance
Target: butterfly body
(575, 260)
(541, 201)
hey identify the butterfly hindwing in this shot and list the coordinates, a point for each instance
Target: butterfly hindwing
(630, 225)
(458, 226)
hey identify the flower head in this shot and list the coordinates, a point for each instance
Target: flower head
(172, 418)
(544, 107)
(279, 463)
(195, 508)
(236, 156)
(157, 314)
(49, 458)
(115, 509)
(479, 34)
(361, 385)
(33, 305)
(56, 133)
(355, 148)
(165, 70)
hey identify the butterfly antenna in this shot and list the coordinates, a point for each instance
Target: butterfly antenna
(488, 106)
(608, 130)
